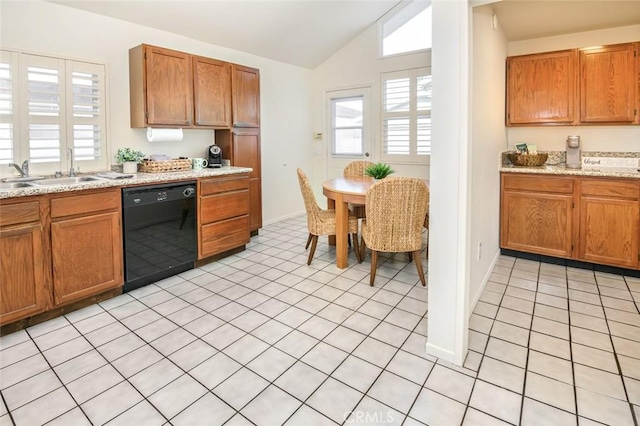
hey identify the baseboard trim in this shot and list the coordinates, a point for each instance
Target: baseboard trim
(439, 352)
(289, 216)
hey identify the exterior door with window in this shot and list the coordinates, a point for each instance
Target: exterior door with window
(349, 135)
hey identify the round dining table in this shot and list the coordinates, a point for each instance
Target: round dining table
(340, 192)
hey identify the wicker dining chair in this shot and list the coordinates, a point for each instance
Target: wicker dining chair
(396, 212)
(356, 169)
(322, 222)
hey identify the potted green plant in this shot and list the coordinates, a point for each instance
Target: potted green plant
(129, 158)
(378, 170)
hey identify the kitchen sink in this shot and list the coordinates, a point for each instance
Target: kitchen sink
(14, 185)
(22, 179)
(66, 181)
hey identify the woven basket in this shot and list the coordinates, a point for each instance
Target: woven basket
(176, 165)
(530, 160)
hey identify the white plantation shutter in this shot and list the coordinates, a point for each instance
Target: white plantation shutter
(86, 110)
(48, 105)
(8, 111)
(406, 116)
(44, 93)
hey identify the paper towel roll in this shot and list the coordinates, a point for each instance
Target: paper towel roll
(164, 135)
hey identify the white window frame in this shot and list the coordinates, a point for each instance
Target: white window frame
(396, 18)
(21, 119)
(358, 92)
(413, 114)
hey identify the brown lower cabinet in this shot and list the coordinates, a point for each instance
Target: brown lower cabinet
(590, 219)
(57, 250)
(23, 285)
(223, 214)
(86, 245)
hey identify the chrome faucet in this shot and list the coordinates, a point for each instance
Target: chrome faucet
(24, 170)
(70, 156)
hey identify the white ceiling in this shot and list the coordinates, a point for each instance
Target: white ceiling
(526, 19)
(307, 32)
(298, 32)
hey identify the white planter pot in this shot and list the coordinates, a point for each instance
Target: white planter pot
(129, 167)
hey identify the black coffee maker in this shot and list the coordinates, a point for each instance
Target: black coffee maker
(214, 156)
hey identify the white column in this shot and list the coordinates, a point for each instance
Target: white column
(449, 236)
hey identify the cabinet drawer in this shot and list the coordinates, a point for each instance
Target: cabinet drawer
(537, 183)
(80, 204)
(224, 235)
(224, 206)
(216, 186)
(610, 188)
(13, 214)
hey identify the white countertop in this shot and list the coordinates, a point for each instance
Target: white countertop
(137, 179)
(562, 169)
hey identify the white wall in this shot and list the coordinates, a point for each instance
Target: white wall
(48, 28)
(488, 139)
(356, 65)
(593, 138)
(450, 208)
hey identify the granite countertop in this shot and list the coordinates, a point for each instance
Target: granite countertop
(556, 166)
(137, 179)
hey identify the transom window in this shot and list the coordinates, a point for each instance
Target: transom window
(408, 30)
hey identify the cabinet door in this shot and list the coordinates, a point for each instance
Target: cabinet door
(22, 273)
(87, 256)
(537, 223)
(245, 83)
(169, 87)
(212, 92)
(609, 231)
(246, 153)
(541, 88)
(608, 81)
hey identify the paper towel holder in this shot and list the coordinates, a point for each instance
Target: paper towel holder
(164, 135)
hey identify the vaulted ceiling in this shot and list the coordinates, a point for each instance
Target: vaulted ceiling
(307, 32)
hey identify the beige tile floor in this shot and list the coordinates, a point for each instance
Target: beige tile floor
(262, 338)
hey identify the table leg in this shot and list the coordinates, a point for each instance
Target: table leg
(342, 225)
(331, 205)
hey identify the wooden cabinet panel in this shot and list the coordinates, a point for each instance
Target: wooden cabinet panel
(537, 223)
(87, 255)
(216, 186)
(608, 84)
(609, 231)
(225, 235)
(86, 203)
(520, 182)
(13, 214)
(223, 214)
(160, 86)
(610, 188)
(212, 92)
(224, 206)
(541, 88)
(23, 290)
(245, 83)
(255, 204)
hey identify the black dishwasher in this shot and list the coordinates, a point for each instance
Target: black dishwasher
(160, 236)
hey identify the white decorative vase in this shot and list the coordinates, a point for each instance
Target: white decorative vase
(129, 167)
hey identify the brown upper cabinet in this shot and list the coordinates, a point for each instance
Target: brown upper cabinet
(160, 87)
(246, 96)
(608, 84)
(169, 88)
(212, 92)
(573, 87)
(541, 88)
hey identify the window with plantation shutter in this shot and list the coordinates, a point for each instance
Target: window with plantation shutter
(406, 116)
(49, 105)
(8, 112)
